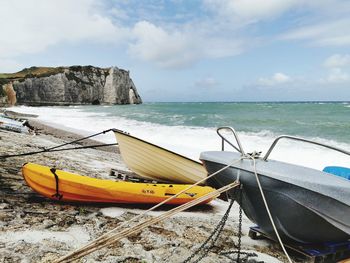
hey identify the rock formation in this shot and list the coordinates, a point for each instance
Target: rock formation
(10, 93)
(69, 85)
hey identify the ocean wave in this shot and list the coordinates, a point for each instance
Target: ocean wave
(188, 140)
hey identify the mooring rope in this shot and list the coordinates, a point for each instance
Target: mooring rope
(54, 148)
(109, 240)
(101, 238)
(252, 157)
(111, 237)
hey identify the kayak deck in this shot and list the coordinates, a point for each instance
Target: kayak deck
(77, 188)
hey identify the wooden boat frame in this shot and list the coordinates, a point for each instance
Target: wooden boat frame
(154, 162)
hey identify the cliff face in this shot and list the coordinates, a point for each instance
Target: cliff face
(73, 85)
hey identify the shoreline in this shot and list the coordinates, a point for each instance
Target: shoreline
(36, 229)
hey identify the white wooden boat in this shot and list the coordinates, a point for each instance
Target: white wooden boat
(154, 162)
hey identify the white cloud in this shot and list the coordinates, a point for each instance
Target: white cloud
(166, 49)
(171, 44)
(207, 82)
(251, 9)
(152, 35)
(337, 61)
(181, 47)
(119, 13)
(338, 69)
(336, 76)
(31, 26)
(331, 33)
(274, 80)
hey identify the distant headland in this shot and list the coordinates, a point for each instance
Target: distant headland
(75, 85)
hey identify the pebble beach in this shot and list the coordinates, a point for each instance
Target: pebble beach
(36, 229)
(110, 108)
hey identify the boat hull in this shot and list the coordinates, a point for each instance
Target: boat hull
(300, 215)
(77, 188)
(12, 125)
(154, 162)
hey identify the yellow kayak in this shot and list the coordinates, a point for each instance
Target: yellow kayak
(65, 186)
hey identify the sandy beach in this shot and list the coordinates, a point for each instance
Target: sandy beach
(36, 229)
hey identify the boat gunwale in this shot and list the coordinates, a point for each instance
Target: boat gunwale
(92, 180)
(157, 146)
(273, 161)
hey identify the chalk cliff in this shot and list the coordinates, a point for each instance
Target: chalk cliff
(69, 85)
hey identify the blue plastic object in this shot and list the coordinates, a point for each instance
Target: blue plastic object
(321, 252)
(339, 171)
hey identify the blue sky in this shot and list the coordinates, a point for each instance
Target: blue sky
(190, 50)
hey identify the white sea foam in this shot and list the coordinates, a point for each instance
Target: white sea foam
(186, 140)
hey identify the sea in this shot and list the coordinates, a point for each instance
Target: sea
(189, 128)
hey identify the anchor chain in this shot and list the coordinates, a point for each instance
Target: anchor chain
(204, 249)
(239, 235)
(213, 237)
(239, 225)
(245, 259)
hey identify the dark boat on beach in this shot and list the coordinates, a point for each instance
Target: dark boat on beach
(307, 205)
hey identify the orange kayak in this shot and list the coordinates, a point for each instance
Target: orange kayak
(65, 186)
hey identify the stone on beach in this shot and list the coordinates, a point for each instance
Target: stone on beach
(35, 229)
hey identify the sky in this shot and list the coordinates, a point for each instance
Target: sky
(190, 50)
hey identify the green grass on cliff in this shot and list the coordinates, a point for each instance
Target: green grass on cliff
(44, 72)
(32, 72)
